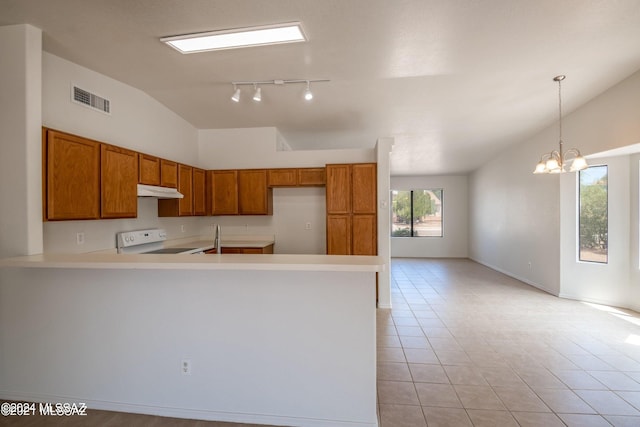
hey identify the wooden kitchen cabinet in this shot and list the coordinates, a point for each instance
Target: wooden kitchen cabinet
(311, 177)
(168, 173)
(235, 250)
(339, 189)
(184, 206)
(71, 177)
(282, 177)
(352, 209)
(199, 192)
(339, 234)
(254, 197)
(296, 177)
(364, 234)
(148, 169)
(118, 182)
(266, 250)
(239, 192)
(222, 192)
(364, 185)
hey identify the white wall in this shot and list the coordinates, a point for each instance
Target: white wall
(293, 208)
(270, 347)
(634, 261)
(455, 213)
(20, 140)
(598, 282)
(384, 146)
(514, 222)
(515, 215)
(101, 235)
(138, 122)
(257, 148)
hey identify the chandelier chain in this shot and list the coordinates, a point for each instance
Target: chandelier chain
(560, 111)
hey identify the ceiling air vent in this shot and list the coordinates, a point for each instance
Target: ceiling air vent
(89, 99)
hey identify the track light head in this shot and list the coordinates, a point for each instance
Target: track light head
(307, 93)
(236, 94)
(257, 96)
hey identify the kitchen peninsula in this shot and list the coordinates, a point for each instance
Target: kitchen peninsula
(272, 339)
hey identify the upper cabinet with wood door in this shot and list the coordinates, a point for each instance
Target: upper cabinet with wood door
(239, 192)
(339, 189)
(364, 185)
(184, 206)
(351, 209)
(311, 177)
(199, 192)
(222, 192)
(287, 177)
(254, 197)
(168, 173)
(148, 169)
(296, 177)
(72, 176)
(119, 179)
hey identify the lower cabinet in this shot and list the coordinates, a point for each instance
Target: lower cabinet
(266, 250)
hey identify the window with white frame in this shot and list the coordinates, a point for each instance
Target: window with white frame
(416, 213)
(593, 214)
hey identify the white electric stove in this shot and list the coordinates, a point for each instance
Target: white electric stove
(149, 241)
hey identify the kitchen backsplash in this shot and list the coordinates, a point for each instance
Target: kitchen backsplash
(298, 223)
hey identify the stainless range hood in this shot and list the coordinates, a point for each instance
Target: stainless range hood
(158, 192)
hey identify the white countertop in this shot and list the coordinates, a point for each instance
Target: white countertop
(208, 244)
(200, 262)
(232, 241)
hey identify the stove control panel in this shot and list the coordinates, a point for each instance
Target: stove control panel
(140, 237)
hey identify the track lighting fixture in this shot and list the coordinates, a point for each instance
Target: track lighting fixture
(307, 93)
(257, 95)
(236, 94)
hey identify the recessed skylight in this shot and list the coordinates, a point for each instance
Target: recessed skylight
(241, 37)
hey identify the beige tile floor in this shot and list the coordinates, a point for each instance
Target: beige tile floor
(467, 346)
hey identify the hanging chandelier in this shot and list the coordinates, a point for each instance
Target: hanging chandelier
(557, 161)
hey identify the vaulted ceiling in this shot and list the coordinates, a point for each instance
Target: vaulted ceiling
(452, 81)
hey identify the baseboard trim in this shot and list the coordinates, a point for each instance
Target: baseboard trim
(195, 414)
(609, 303)
(515, 276)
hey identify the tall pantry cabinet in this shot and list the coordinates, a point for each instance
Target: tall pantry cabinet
(352, 209)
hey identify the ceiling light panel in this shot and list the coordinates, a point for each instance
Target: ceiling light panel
(242, 37)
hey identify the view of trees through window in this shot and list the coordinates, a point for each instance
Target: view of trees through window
(593, 217)
(416, 213)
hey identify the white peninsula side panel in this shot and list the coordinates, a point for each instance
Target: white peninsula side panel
(268, 347)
